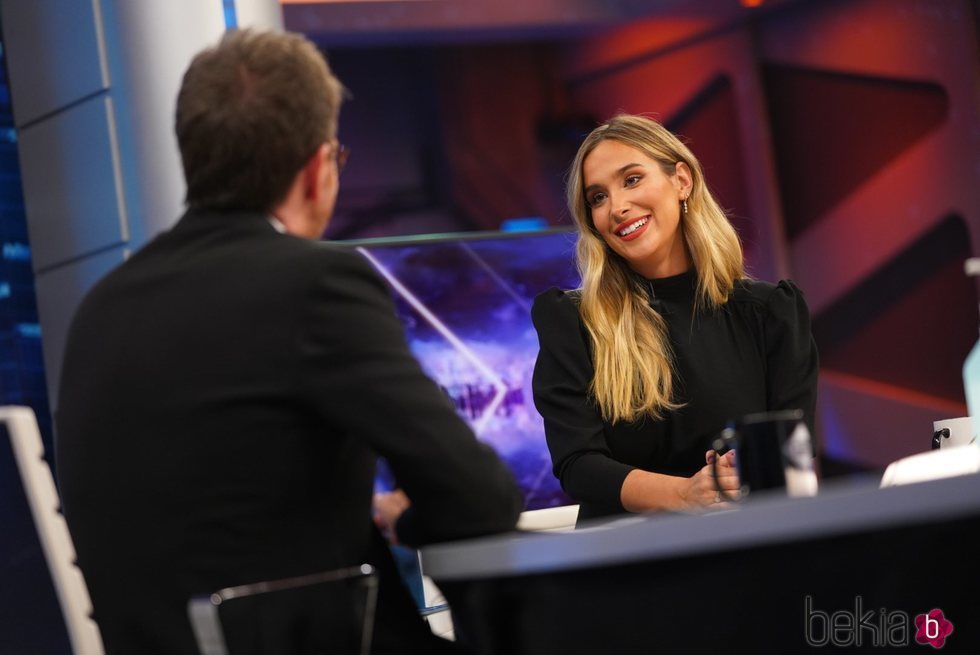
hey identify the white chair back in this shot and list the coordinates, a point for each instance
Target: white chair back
(59, 551)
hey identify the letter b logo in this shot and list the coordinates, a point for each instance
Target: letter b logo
(816, 624)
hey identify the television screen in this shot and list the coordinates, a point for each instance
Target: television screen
(465, 301)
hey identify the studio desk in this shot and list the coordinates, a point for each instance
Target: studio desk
(851, 567)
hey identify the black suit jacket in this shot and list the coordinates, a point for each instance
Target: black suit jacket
(224, 396)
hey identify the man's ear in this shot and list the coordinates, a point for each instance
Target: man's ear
(316, 166)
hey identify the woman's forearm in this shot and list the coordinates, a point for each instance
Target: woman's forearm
(643, 491)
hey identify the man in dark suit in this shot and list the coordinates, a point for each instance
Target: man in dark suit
(226, 391)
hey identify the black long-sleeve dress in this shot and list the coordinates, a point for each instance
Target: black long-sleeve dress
(753, 354)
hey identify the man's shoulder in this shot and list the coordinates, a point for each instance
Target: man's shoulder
(326, 256)
(254, 242)
(322, 269)
(267, 258)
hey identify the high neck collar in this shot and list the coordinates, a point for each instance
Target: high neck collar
(676, 286)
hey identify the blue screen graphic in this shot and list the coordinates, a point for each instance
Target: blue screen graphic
(465, 303)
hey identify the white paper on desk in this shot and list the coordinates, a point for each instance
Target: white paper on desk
(933, 465)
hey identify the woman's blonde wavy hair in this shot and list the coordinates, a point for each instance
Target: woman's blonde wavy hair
(631, 349)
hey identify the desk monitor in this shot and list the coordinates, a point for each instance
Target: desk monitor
(465, 301)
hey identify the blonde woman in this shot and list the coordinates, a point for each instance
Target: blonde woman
(666, 340)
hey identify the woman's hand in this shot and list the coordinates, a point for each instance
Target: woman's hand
(701, 490)
(645, 491)
(386, 509)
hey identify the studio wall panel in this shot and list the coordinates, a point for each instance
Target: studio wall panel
(58, 294)
(912, 322)
(410, 193)
(708, 123)
(260, 14)
(489, 134)
(150, 44)
(918, 39)
(907, 44)
(67, 54)
(874, 118)
(832, 131)
(871, 424)
(72, 185)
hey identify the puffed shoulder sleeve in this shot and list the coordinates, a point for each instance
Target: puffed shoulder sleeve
(573, 426)
(792, 361)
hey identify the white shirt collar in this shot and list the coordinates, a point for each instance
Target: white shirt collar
(276, 223)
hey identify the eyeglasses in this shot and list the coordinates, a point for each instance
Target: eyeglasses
(341, 153)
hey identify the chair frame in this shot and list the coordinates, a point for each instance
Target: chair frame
(206, 624)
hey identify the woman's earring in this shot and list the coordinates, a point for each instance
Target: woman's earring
(684, 205)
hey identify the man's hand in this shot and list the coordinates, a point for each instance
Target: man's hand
(386, 508)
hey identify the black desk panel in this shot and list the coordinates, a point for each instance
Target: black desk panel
(852, 566)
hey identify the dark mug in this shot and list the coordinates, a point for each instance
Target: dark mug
(773, 450)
